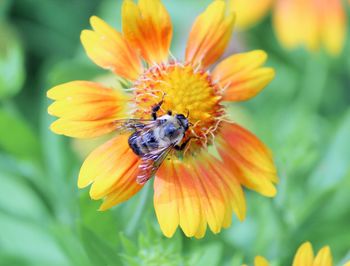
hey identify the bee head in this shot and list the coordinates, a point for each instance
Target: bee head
(182, 120)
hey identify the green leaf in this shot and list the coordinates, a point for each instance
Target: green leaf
(69, 70)
(27, 203)
(12, 259)
(129, 246)
(210, 255)
(12, 72)
(335, 164)
(17, 137)
(99, 251)
(31, 242)
(71, 244)
(4, 6)
(44, 31)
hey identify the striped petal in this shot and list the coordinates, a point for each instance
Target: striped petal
(147, 27)
(176, 201)
(210, 34)
(85, 109)
(304, 255)
(111, 170)
(242, 75)
(211, 198)
(248, 158)
(108, 49)
(195, 194)
(220, 180)
(166, 201)
(323, 257)
(260, 261)
(249, 12)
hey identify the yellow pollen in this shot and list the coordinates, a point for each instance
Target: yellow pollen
(184, 90)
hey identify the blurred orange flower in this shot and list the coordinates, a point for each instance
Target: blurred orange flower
(312, 23)
(305, 257)
(193, 189)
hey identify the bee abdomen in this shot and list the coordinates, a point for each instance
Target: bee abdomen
(133, 144)
(142, 144)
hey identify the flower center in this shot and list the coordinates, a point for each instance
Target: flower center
(184, 90)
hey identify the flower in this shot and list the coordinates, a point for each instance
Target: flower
(250, 11)
(305, 257)
(194, 188)
(311, 23)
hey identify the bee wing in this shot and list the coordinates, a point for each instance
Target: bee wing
(131, 125)
(151, 162)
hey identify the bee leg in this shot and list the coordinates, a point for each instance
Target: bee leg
(155, 109)
(182, 146)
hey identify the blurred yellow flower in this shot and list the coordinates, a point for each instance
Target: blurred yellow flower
(259, 261)
(305, 257)
(250, 12)
(193, 189)
(313, 23)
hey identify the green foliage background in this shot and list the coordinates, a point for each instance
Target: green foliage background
(304, 116)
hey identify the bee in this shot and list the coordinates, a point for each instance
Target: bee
(152, 140)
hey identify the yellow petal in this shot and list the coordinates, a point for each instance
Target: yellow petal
(165, 199)
(183, 197)
(213, 202)
(109, 49)
(82, 129)
(304, 255)
(202, 227)
(248, 158)
(85, 109)
(122, 191)
(194, 193)
(116, 167)
(323, 257)
(189, 204)
(101, 158)
(147, 27)
(249, 12)
(230, 188)
(261, 261)
(111, 169)
(210, 34)
(242, 75)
